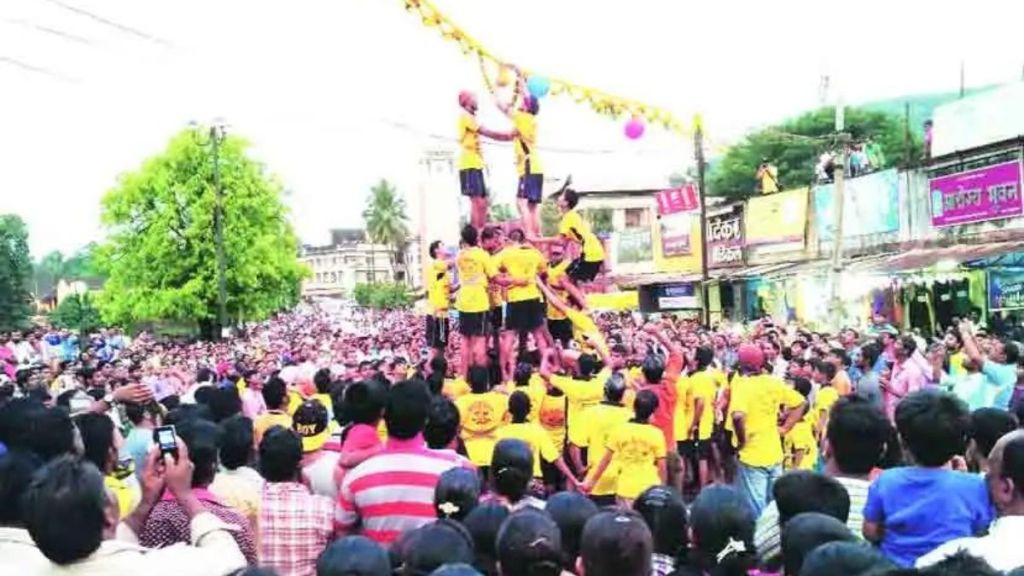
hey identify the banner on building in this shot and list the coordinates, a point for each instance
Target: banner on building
(871, 205)
(779, 219)
(675, 232)
(1005, 289)
(725, 238)
(634, 247)
(675, 200)
(669, 297)
(989, 193)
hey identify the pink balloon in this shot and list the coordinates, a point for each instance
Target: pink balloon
(634, 128)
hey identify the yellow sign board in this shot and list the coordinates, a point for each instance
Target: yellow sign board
(779, 218)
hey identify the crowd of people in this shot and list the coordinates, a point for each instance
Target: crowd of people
(512, 431)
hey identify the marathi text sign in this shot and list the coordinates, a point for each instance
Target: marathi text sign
(674, 200)
(988, 193)
(725, 239)
(779, 218)
(870, 206)
(1005, 289)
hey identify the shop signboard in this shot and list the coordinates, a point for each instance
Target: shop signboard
(778, 219)
(669, 297)
(870, 206)
(1005, 289)
(675, 212)
(989, 193)
(634, 247)
(681, 199)
(725, 238)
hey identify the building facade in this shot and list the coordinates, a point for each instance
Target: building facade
(336, 269)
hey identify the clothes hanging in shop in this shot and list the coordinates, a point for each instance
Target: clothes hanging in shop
(942, 294)
(962, 297)
(918, 305)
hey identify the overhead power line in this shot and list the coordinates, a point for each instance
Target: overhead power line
(52, 31)
(36, 69)
(111, 23)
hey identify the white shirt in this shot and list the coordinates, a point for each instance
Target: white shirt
(320, 474)
(19, 554)
(1001, 548)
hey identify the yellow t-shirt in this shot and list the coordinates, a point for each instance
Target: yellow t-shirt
(526, 142)
(481, 415)
(637, 449)
(770, 180)
(801, 437)
(126, 491)
(439, 288)
(556, 273)
(956, 364)
(535, 390)
(475, 271)
(268, 420)
(574, 227)
(599, 422)
(703, 386)
(454, 389)
(552, 419)
(521, 263)
(582, 394)
(539, 441)
(469, 141)
(584, 328)
(684, 409)
(826, 397)
(759, 398)
(294, 401)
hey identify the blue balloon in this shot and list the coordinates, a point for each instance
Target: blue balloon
(538, 86)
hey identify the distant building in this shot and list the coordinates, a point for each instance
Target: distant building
(82, 286)
(349, 260)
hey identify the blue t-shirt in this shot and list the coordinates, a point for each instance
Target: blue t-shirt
(1002, 378)
(922, 508)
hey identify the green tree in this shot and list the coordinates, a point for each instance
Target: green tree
(386, 222)
(160, 253)
(15, 273)
(549, 217)
(795, 146)
(77, 312)
(382, 295)
(600, 220)
(54, 267)
(503, 213)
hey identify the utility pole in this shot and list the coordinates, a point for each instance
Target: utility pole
(217, 134)
(698, 150)
(837, 236)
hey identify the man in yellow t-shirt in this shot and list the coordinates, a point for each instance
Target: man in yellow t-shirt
(581, 392)
(754, 404)
(481, 413)
(599, 421)
(438, 296)
(573, 229)
(471, 161)
(534, 435)
(492, 242)
(521, 263)
(559, 326)
(694, 428)
(472, 301)
(767, 177)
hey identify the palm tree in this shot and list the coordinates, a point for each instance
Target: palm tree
(386, 222)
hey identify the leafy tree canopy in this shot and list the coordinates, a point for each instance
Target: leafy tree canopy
(160, 254)
(77, 312)
(54, 267)
(795, 146)
(386, 220)
(382, 295)
(15, 273)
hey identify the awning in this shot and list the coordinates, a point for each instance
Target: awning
(921, 258)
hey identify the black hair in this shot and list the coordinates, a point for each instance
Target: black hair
(16, 470)
(187, 412)
(644, 405)
(571, 197)
(205, 375)
(988, 425)
(858, 433)
(571, 511)
(203, 441)
(529, 544)
(134, 411)
(719, 515)
(170, 402)
(364, 402)
(802, 491)
(704, 356)
(512, 468)
(275, 393)
(457, 493)
(516, 235)
(519, 406)
(829, 370)
(842, 557)
(66, 484)
(933, 425)
(405, 413)
(236, 447)
(354, 556)
(443, 421)
(840, 353)
(16, 417)
(1013, 463)
(433, 248)
(616, 543)
(455, 570)
(805, 532)
(322, 381)
(664, 511)
(1011, 350)
(653, 369)
(523, 372)
(202, 395)
(870, 352)
(470, 237)
(909, 344)
(280, 455)
(478, 379)
(434, 545)
(588, 365)
(483, 524)
(224, 403)
(615, 388)
(53, 433)
(97, 432)
(802, 385)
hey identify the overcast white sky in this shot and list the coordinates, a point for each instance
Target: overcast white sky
(317, 85)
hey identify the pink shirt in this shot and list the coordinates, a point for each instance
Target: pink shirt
(907, 377)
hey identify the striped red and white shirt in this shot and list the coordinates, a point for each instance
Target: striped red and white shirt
(392, 492)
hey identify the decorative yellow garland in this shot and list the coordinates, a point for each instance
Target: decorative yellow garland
(600, 101)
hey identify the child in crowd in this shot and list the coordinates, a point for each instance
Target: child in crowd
(363, 407)
(911, 511)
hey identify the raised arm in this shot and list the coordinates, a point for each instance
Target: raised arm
(553, 298)
(970, 345)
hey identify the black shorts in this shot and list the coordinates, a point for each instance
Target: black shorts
(437, 331)
(551, 475)
(531, 187)
(525, 316)
(496, 318)
(582, 271)
(471, 180)
(561, 330)
(605, 501)
(694, 449)
(472, 323)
